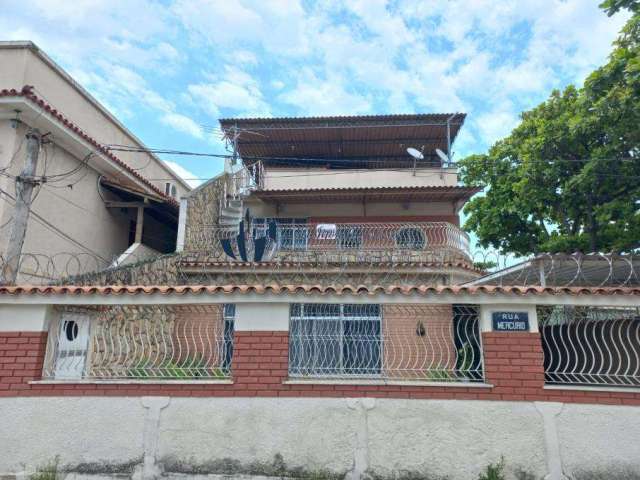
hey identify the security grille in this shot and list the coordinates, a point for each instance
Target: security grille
(141, 342)
(421, 342)
(590, 345)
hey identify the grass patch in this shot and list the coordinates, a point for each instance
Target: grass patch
(49, 471)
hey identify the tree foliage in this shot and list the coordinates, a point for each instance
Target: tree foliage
(567, 178)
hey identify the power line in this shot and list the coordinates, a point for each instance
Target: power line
(51, 227)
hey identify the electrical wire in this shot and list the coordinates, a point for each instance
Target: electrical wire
(48, 225)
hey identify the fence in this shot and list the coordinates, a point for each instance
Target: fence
(590, 345)
(421, 342)
(392, 240)
(141, 342)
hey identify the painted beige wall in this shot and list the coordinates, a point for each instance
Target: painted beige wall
(302, 178)
(79, 211)
(351, 209)
(23, 66)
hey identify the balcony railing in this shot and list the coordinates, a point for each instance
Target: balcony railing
(408, 241)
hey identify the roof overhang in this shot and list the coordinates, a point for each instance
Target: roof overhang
(454, 194)
(38, 114)
(131, 198)
(200, 294)
(344, 141)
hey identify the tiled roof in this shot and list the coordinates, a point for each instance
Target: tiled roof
(432, 192)
(417, 188)
(302, 288)
(27, 93)
(434, 117)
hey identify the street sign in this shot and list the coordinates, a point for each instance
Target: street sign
(510, 321)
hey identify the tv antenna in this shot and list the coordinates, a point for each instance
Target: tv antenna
(444, 157)
(417, 155)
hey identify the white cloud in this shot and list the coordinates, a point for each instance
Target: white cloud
(191, 178)
(183, 124)
(325, 96)
(234, 90)
(280, 26)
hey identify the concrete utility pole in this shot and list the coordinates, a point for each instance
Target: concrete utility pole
(24, 188)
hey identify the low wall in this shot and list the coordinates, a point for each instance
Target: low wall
(386, 437)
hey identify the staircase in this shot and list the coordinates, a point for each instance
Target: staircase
(237, 186)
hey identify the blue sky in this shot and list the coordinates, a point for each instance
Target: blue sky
(168, 68)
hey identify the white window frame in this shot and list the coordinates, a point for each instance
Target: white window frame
(342, 319)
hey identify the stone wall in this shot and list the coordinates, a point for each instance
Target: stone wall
(203, 210)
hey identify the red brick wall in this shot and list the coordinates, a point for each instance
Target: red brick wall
(21, 360)
(513, 365)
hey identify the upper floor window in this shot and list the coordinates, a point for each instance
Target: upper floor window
(349, 236)
(170, 189)
(410, 238)
(293, 233)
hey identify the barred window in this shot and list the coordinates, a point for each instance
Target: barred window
(293, 233)
(435, 343)
(332, 339)
(410, 238)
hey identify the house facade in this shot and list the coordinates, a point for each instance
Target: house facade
(338, 199)
(313, 325)
(90, 206)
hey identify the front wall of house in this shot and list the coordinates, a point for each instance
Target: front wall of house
(357, 211)
(305, 178)
(385, 436)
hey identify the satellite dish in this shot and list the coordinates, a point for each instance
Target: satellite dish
(443, 156)
(415, 153)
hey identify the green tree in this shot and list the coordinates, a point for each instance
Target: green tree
(567, 178)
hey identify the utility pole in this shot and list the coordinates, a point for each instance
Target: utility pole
(24, 188)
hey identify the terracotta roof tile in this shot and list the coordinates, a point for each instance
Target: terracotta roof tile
(303, 288)
(27, 93)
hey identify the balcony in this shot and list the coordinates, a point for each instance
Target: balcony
(357, 243)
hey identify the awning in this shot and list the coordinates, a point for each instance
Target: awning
(376, 194)
(344, 141)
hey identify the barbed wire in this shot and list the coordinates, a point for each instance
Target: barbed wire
(201, 268)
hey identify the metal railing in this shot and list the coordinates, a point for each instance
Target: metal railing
(403, 240)
(434, 343)
(239, 184)
(590, 345)
(141, 342)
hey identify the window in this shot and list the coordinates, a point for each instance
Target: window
(229, 315)
(410, 238)
(349, 237)
(293, 233)
(335, 340)
(170, 189)
(73, 339)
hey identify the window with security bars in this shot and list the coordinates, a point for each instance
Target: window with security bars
(404, 342)
(334, 340)
(293, 233)
(141, 342)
